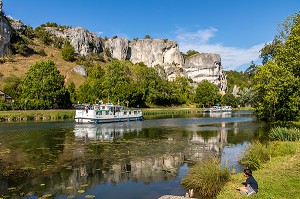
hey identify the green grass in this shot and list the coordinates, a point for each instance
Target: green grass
(165, 111)
(36, 115)
(256, 154)
(285, 134)
(206, 178)
(278, 178)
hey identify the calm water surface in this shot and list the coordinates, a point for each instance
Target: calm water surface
(143, 159)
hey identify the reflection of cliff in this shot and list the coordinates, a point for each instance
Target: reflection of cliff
(122, 152)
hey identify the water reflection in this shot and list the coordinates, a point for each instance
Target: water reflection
(105, 132)
(113, 160)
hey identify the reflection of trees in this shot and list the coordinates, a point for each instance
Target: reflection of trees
(87, 155)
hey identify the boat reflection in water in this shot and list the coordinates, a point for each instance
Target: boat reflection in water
(105, 132)
(138, 159)
(217, 114)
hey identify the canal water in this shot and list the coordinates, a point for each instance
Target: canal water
(142, 159)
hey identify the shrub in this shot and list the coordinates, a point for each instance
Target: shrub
(256, 154)
(206, 178)
(284, 134)
(68, 52)
(42, 52)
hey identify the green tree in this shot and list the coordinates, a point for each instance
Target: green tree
(207, 93)
(43, 86)
(229, 100)
(250, 71)
(277, 93)
(237, 78)
(117, 81)
(68, 52)
(72, 91)
(246, 96)
(270, 50)
(289, 55)
(43, 35)
(183, 90)
(12, 86)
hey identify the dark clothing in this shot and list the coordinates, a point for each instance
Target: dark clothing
(252, 183)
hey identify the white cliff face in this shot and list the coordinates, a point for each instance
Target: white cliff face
(5, 34)
(151, 52)
(155, 52)
(206, 66)
(118, 47)
(83, 41)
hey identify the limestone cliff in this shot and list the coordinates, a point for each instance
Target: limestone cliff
(83, 41)
(5, 34)
(206, 66)
(151, 52)
(117, 47)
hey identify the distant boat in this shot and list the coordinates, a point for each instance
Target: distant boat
(103, 113)
(215, 109)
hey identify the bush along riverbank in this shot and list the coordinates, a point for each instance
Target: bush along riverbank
(275, 165)
(36, 115)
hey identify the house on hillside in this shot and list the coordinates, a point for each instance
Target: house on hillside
(5, 97)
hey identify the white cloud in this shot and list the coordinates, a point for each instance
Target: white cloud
(233, 58)
(99, 33)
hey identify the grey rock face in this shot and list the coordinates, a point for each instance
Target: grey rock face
(81, 70)
(118, 47)
(157, 52)
(151, 52)
(83, 41)
(18, 26)
(206, 66)
(5, 34)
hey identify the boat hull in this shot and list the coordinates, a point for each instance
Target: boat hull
(107, 120)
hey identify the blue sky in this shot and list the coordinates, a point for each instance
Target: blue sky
(235, 29)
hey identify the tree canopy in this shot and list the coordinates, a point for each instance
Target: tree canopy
(276, 83)
(207, 94)
(43, 86)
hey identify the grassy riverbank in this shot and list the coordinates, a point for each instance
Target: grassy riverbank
(279, 178)
(20, 115)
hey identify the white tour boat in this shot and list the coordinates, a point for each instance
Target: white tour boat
(215, 109)
(101, 113)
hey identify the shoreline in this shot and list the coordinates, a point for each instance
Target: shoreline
(58, 114)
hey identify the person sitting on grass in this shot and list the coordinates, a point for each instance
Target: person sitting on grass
(251, 186)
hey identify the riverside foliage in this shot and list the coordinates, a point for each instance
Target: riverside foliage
(277, 82)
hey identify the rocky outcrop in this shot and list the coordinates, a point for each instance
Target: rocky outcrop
(117, 47)
(206, 66)
(83, 41)
(18, 26)
(6, 32)
(81, 70)
(151, 52)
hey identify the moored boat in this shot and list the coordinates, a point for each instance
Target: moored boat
(214, 109)
(101, 113)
